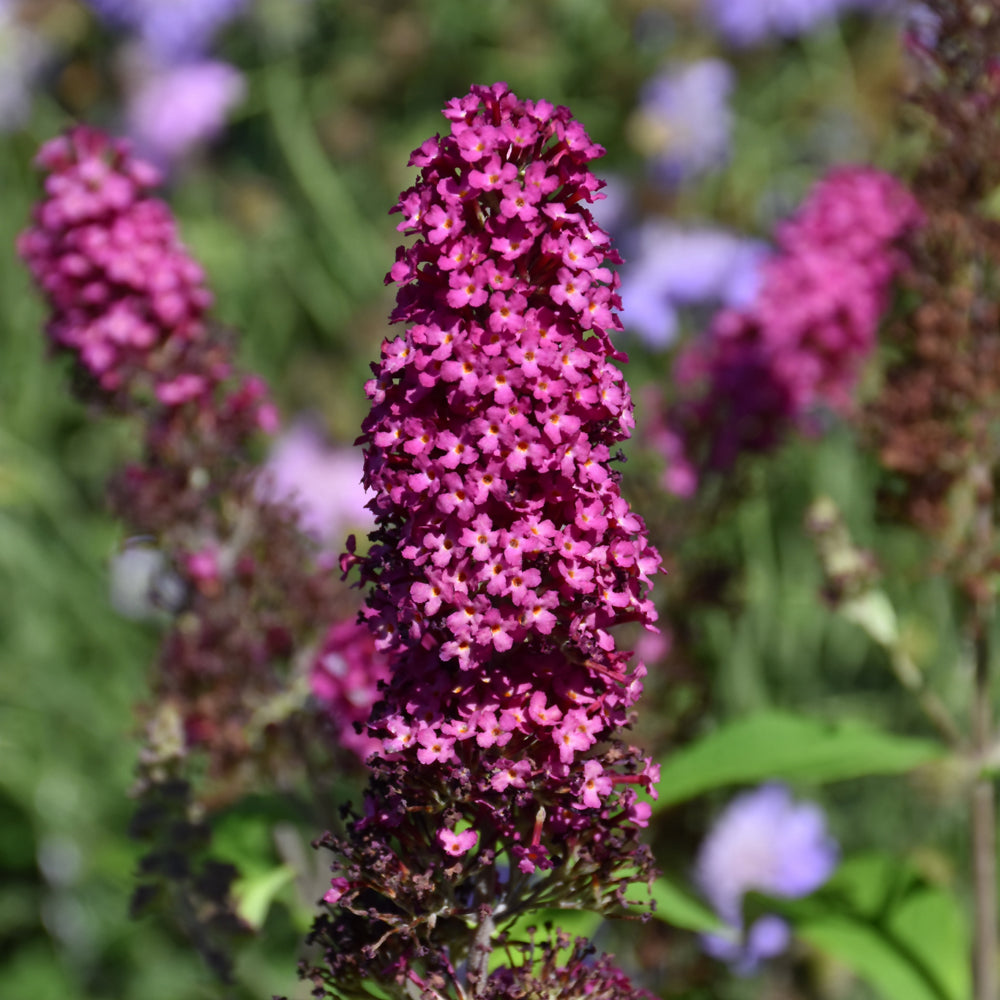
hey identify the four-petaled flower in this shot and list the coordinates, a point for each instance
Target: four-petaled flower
(457, 843)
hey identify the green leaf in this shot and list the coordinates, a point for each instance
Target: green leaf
(923, 924)
(935, 916)
(676, 906)
(776, 745)
(895, 973)
(868, 883)
(255, 894)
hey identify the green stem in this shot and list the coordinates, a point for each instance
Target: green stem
(983, 808)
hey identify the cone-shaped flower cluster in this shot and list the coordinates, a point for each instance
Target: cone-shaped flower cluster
(503, 554)
(503, 546)
(494, 415)
(127, 298)
(238, 584)
(764, 369)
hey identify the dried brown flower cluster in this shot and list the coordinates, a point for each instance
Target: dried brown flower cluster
(933, 421)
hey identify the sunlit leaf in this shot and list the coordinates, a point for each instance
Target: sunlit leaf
(776, 745)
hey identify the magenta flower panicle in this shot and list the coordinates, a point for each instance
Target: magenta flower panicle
(765, 368)
(128, 301)
(238, 587)
(502, 557)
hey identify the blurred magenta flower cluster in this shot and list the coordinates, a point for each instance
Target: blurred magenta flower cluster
(765, 368)
(128, 300)
(227, 557)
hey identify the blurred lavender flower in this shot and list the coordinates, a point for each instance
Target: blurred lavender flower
(670, 267)
(750, 22)
(683, 123)
(22, 55)
(173, 30)
(921, 25)
(763, 842)
(174, 108)
(324, 481)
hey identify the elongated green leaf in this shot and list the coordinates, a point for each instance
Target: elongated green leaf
(873, 957)
(782, 746)
(868, 883)
(932, 925)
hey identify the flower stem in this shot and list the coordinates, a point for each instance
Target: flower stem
(479, 954)
(983, 808)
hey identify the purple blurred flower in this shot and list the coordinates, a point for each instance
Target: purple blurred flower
(763, 842)
(22, 55)
(670, 267)
(173, 109)
(684, 121)
(324, 481)
(173, 30)
(921, 25)
(750, 22)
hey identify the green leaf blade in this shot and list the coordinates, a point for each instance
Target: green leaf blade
(781, 746)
